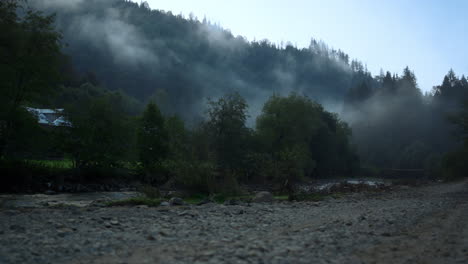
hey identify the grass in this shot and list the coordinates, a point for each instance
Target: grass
(152, 202)
(52, 164)
(282, 198)
(195, 199)
(337, 195)
(313, 197)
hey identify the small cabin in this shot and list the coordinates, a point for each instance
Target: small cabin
(50, 117)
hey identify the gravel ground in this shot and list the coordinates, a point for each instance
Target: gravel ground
(408, 225)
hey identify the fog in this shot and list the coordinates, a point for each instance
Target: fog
(152, 56)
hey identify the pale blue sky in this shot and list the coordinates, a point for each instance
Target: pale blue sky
(430, 36)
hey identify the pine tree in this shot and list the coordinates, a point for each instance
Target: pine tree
(152, 137)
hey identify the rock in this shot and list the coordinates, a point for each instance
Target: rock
(205, 201)
(150, 237)
(145, 206)
(174, 194)
(164, 204)
(209, 253)
(64, 231)
(114, 222)
(164, 232)
(176, 201)
(50, 192)
(263, 197)
(232, 202)
(239, 212)
(188, 213)
(17, 228)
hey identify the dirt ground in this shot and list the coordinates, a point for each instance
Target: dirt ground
(427, 224)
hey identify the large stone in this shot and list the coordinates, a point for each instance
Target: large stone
(263, 197)
(165, 204)
(176, 201)
(232, 202)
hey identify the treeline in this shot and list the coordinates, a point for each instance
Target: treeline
(397, 127)
(294, 137)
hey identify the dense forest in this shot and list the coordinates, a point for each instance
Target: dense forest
(152, 96)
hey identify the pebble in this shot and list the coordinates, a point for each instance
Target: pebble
(263, 233)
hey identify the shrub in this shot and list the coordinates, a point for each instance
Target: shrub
(196, 177)
(455, 165)
(149, 191)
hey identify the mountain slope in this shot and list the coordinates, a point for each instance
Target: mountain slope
(182, 61)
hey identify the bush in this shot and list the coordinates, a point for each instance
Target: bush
(455, 165)
(149, 191)
(202, 177)
(20, 175)
(196, 177)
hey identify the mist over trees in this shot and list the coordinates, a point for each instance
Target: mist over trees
(155, 54)
(396, 126)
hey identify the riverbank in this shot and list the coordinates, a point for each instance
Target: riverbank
(405, 225)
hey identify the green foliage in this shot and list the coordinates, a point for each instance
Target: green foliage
(100, 135)
(178, 138)
(25, 175)
(26, 138)
(194, 176)
(30, 49)
(414, 156)
(461, 121)
(288, 121)
(303, 139)
(286, 127)
(54, 164)
(227, 130)
(152, 137)
(29, 60)
(455, 163)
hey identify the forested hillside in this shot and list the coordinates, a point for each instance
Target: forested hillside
(180, 62)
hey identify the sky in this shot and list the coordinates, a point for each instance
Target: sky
(429, 36)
